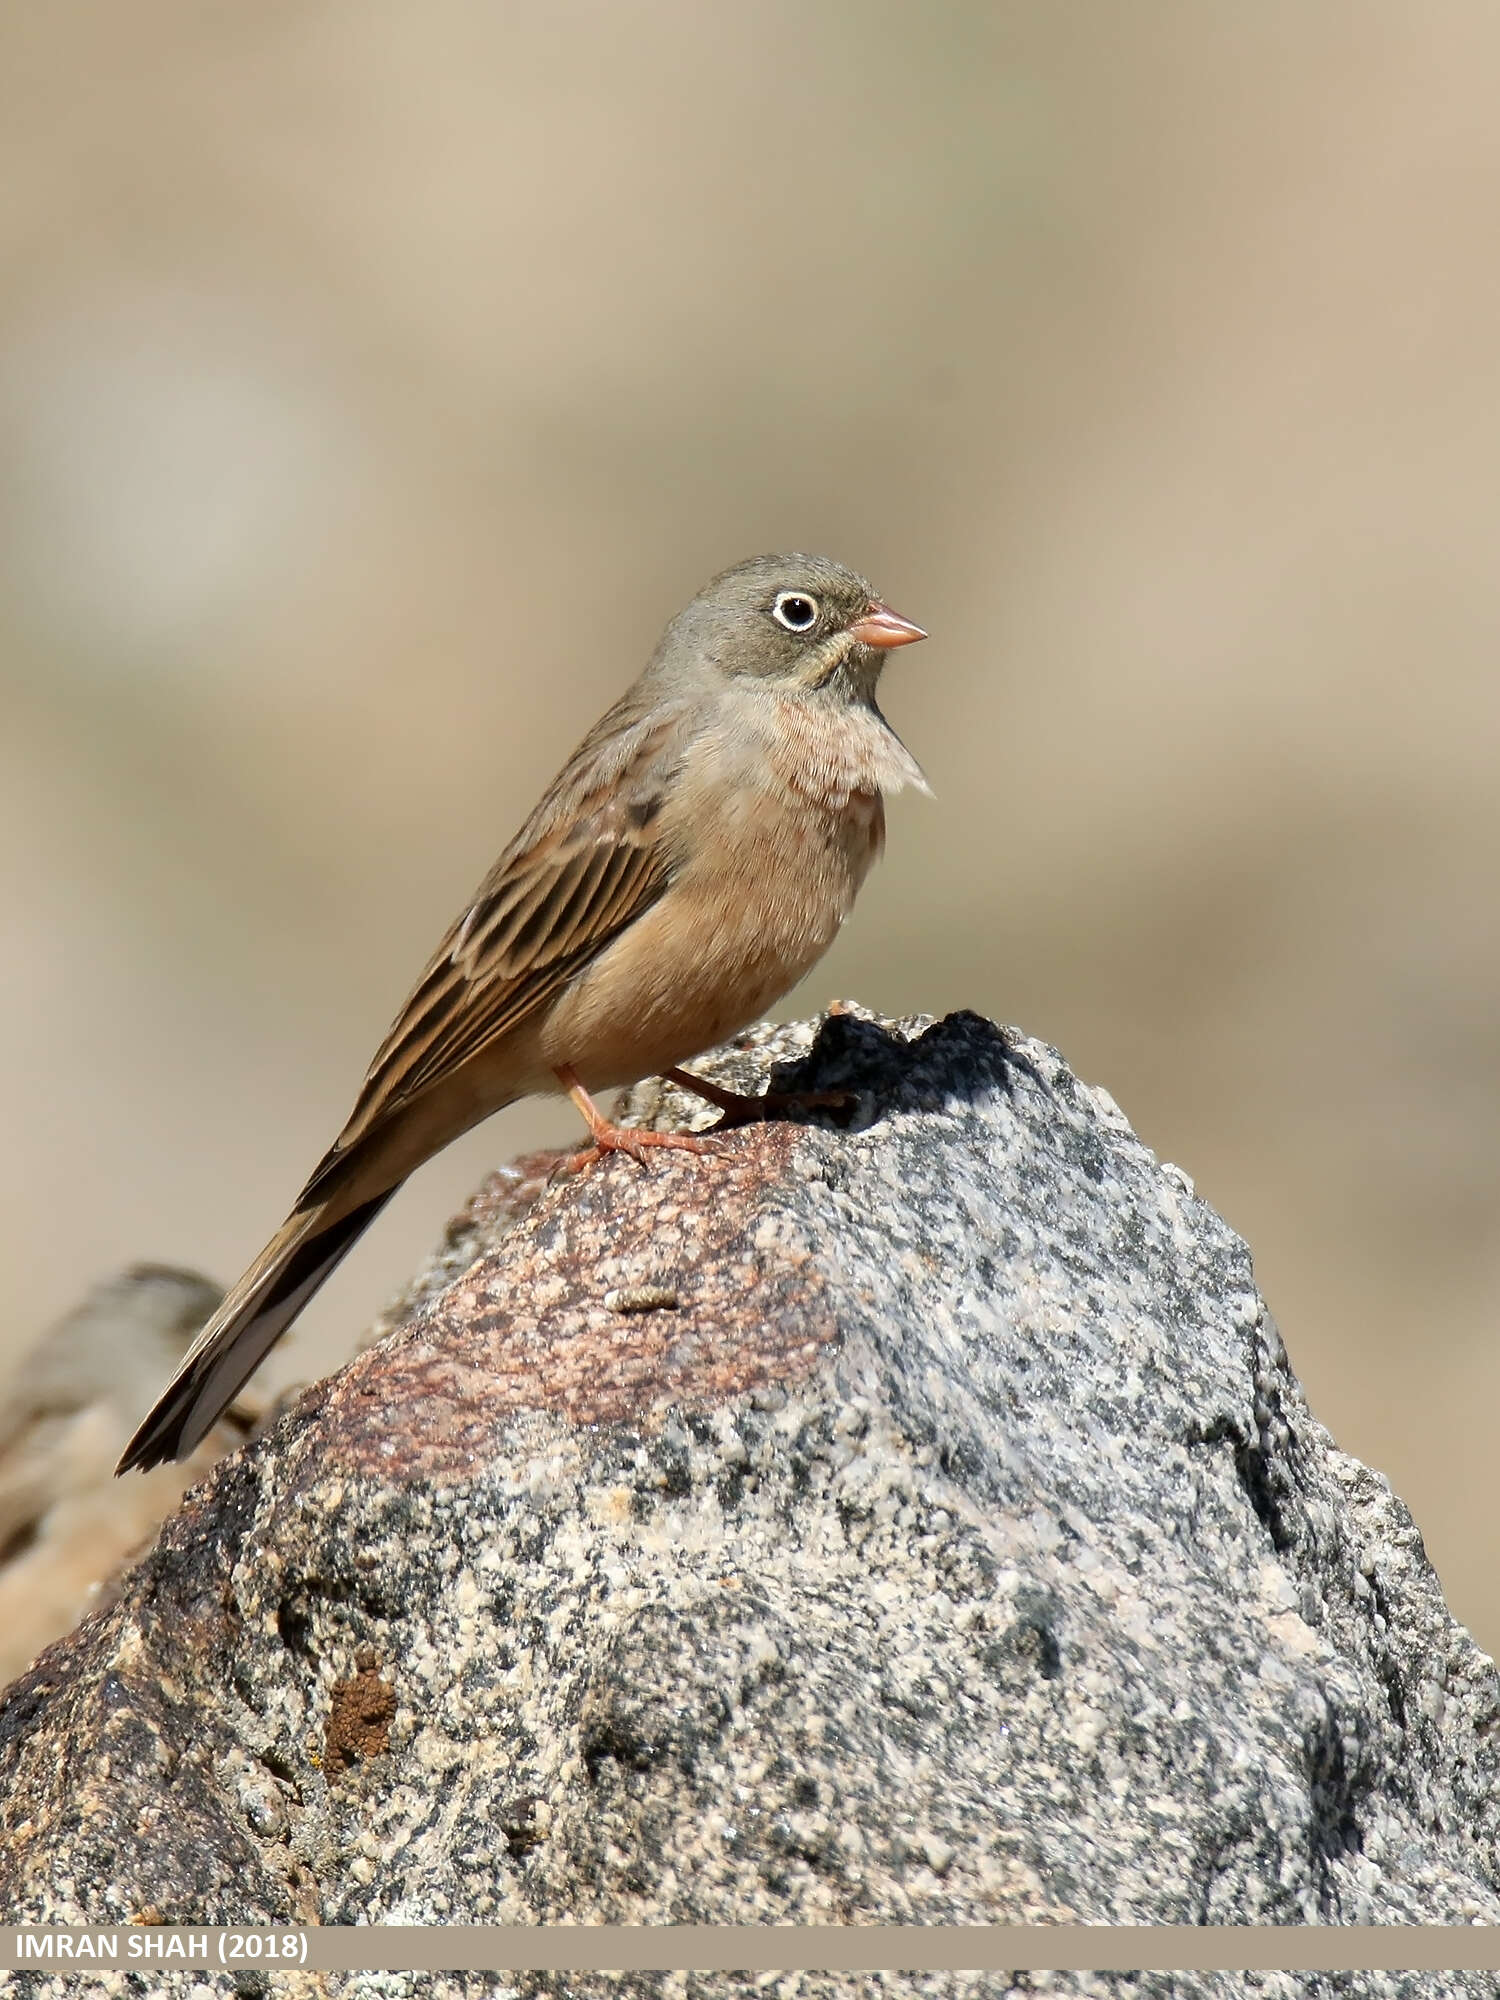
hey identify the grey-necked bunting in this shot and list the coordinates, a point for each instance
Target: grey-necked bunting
(693, 858)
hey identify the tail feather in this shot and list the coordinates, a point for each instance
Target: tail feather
(302, 1253)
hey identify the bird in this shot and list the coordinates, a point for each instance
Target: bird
(695, 856)
(67, 1403)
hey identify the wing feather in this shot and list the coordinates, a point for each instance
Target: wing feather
(588, 863)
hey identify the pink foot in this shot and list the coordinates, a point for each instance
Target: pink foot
(611, 1138)
(738, 1108)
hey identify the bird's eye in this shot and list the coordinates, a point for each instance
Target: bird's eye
(795, 610)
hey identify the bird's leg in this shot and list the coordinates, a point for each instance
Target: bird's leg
(739, 1109)
(612, 1138)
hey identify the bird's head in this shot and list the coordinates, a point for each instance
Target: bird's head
(801, 622)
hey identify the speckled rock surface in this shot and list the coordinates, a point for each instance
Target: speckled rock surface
(913, 1520)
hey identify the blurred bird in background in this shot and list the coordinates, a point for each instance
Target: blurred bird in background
(67, 1404)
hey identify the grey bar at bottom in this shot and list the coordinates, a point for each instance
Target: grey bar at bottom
(772, 1948)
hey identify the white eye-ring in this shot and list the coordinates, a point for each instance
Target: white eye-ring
(795, 610)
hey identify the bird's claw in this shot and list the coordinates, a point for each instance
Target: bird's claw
(740, 1108)
(637, 1146)
(781, 1104)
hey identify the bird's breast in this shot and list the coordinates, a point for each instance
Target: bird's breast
(770, 851)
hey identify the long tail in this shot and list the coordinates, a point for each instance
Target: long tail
(302, 1253)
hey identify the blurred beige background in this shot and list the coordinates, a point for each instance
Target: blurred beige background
(374, 382)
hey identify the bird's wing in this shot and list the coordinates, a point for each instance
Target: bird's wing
(586, 865)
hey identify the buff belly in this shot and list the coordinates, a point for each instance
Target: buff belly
(717, 951)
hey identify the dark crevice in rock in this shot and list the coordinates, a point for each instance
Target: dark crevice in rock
(1260, 1472)
(281, 1769)
(294, 1625)
(1335, 1793)
(1386, 1666)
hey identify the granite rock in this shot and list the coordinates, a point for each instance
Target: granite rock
(905, 1515)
